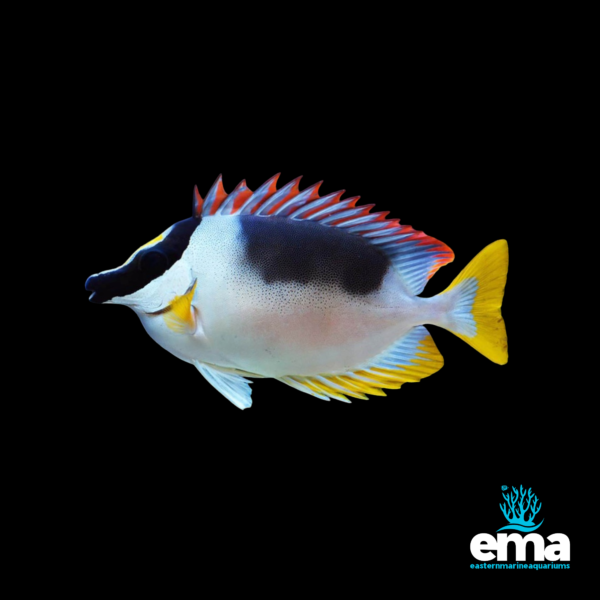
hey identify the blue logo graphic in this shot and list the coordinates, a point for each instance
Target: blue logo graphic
(504, 488)
(516, 511)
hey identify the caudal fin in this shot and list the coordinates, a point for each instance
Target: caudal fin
(475, 299)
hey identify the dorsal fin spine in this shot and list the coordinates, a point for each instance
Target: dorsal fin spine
(198, 203)
(279, 197)
(307, 195)
(227, 206)
(309, 210)
(215, 196)
(293, 193)
(241, 199)
(267, 189)
(340, 217)
(328, 210)
(362, 215)
(366, 226)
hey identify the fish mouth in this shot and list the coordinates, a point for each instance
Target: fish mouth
(90, 286)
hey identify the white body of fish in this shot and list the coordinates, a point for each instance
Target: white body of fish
(279, 328)
(314, 291)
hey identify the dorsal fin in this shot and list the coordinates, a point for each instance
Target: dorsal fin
(231, 203)
(198, 203)
(415, 256)
(266, 190)
(214, 198)
(276, 200)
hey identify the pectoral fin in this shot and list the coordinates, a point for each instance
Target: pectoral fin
(180, 315)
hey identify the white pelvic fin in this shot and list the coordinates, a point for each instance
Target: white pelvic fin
(234, 387)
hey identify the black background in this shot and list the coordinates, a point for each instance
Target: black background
(375, 490)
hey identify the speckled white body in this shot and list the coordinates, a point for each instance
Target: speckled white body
(279, 328)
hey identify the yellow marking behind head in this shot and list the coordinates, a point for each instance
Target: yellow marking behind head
(179, 316)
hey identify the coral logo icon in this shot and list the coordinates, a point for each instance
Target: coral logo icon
(515, 511)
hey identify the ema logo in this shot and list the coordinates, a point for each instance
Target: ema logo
(520, 509)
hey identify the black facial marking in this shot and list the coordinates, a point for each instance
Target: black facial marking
(153, 263)
(307, 252)
(148, 264)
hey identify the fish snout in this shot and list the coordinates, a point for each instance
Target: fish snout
(90, 287)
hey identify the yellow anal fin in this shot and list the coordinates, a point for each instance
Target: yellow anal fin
(361, 386)
(179, 316)
(409, 360)
(322, 385)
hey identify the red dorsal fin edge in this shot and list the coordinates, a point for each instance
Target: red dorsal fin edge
(415, 255)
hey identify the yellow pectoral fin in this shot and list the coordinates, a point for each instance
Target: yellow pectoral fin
(180, 316)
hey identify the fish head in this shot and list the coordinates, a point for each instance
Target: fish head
(154, 274)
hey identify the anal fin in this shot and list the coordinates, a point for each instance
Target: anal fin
(410, 359)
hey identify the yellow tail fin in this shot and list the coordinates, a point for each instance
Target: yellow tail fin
(478, 290)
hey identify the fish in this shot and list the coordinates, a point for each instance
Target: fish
(317, 292)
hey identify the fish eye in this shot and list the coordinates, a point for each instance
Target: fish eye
(153, 263)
